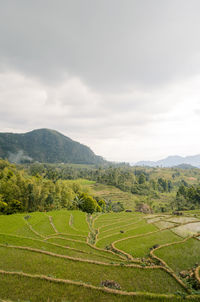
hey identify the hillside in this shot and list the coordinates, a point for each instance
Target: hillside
(172, 161)
(45, 145)
(70, 256)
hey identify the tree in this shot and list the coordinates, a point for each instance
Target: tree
(88, 204)
(141, 179)
(117, 207)
(102, 204)
(14, 206)
(3, 206)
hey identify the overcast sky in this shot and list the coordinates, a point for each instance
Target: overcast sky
(121, 76)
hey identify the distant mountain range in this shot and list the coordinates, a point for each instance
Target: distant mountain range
(47, 146)
(172, 161)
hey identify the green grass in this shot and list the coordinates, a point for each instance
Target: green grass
(119, 224)
(140, 246)
(84, 247)
(69, 236)
(181, 256)
(83, 252)
(35, 290)
(114, 194)
(130, 279)
(79, 222)
(61, 221)
(81, 181)
(15, 224)
(141, 229)
(40, 223)
(123, 226)
(109, 218)
(70, 240)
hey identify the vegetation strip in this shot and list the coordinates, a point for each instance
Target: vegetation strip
(113, 234)
(107, 251)
(121, 220)
(71, 223)
(87, 243)
(197, 273)
(95, 218)
(66, 247)
(166, 265)
(91, 228)
(65, 256)
(68, 239)
(50, 243)
(169, 244)
(126, 238)
(104, 289)
(141, 235)
(65, 234)
(90, 245)
(52, 224)
(96, 236)
(34, 231)
(82, 251)
(123, 226)
(79, 259)
(92, 235)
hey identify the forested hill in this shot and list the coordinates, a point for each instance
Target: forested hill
(45, 145)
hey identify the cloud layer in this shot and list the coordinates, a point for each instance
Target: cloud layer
(121, 77)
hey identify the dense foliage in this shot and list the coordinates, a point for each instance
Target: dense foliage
(44, 187)
(157, 187)
(20, 192)
(188, 196)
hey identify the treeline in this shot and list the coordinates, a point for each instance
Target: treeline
(21, 192)
(188, 197)
(44, 187)
(126, 178)
(148, 183)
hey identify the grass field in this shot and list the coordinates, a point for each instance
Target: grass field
(49, 257)
(114, 194)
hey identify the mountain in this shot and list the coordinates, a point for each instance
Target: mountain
(185, 167)
(172, 161)
(45, 145)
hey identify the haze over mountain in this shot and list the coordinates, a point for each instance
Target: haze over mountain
(45, 145)
(172, 161)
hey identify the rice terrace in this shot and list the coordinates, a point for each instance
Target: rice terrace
(99, 151)
(74, 256)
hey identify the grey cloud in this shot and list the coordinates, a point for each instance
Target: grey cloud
(116, 75)
(110, 45)
(73, 108)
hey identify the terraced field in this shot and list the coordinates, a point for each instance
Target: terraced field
(68, 256)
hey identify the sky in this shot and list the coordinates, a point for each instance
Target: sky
(122, 77)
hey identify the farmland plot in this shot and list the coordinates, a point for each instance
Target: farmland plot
(68, 255)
